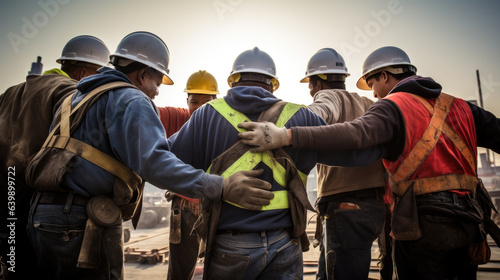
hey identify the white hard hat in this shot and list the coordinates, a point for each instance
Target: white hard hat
(323, 62)
(254, 61)
(85, 48)
(390, 59)
(146, 48)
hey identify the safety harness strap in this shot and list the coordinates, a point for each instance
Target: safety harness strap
(427, 142)
(243, 159)
(399, 180)
(84, 150)
(96, 157)
(452, 135)
(89, 98)
(229, 113)
(444, 182)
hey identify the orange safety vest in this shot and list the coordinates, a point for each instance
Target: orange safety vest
(440, 146)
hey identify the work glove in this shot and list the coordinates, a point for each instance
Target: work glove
(265, 135)
(244, 190)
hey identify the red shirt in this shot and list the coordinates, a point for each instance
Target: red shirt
(173, 118)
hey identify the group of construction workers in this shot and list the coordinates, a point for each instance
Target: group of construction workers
(86, 137)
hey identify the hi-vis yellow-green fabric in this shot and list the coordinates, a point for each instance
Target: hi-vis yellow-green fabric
(249, 161)
(56, 71)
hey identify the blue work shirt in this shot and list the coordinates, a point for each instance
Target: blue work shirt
(123, 124)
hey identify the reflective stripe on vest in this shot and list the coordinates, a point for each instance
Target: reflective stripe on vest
(248, 161)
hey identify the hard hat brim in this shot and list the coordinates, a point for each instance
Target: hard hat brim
(361, 84)
(201, 91)
(231, 79)
(166, 80)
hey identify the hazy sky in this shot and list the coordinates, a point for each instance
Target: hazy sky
(447, 40)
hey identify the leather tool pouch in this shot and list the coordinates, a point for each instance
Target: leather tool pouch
(175, 222)
(46, 170)
(479, 252)
(102, 212)
(405, 223)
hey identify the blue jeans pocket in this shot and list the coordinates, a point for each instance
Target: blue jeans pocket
(357, 228)
(289, 262)
(59, 233)
(228, 266)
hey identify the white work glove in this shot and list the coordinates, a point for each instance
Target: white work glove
(265, 135)
(243, 189)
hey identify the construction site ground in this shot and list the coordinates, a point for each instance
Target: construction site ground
(146, 256)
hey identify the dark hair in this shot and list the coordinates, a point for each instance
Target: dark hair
(131, 67)
(255, 79)
(329, 84)
(398, 77)
(73, 66)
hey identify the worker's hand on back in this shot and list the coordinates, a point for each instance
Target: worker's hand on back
(265, 135)
(245, 190)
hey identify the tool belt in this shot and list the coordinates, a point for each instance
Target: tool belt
(102, 212)
(61, 198)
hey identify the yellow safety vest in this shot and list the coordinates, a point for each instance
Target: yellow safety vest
(248, 161)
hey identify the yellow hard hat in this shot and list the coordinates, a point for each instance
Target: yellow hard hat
(201, 82)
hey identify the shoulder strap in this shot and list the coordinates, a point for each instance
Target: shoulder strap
(279, 113)
(428, 141)
(88, 100)
(234, 159)
(452, 135)
(84, 150)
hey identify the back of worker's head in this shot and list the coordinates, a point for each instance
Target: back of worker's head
(201, 87)
(326, 69)
(82, 56)
(254, 68)
(144, 58)
(391, 60)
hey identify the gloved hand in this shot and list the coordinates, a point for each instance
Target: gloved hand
(265, 135)
(251, 193)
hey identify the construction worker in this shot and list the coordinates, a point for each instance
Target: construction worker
(430, 141)
(97, 163)
(26, 111)
(351, 206)
(243, 243)
(201, 87)
(184, 245)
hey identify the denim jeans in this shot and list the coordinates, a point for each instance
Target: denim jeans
(321, 272)
(57, 238)
(447, 231)
(351, 223)
(260, 255)
(385, 245)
